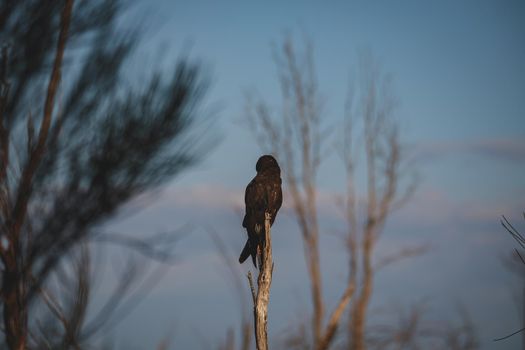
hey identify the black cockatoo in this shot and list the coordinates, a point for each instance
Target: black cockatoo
(263, 194)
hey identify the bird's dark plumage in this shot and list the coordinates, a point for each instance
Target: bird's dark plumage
(263, 194)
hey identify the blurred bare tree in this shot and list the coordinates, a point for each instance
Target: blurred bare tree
(371, 104)
(77, 141)
(299, 138)
(411, 328)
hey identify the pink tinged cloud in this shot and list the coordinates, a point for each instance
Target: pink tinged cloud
(504, 149)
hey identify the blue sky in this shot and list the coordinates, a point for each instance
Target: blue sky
(459, 73)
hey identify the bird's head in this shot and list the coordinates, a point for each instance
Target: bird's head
(267, 162)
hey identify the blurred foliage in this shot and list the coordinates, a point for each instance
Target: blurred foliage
(78, 140)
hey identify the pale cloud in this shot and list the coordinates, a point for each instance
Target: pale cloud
(430, 205)
(211, 196)
(430, 210)
(208, 195)
(434, 205)
(505, 149)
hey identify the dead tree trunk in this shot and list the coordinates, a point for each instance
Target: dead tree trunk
(359, 314)
(264, 282)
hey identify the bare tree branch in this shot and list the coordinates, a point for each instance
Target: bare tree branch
(404, 253)
(264, 282)
(24, 187)
(333, 322)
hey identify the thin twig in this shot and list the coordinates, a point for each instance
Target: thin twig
(521, 258)
(252, 288)
(510, 335)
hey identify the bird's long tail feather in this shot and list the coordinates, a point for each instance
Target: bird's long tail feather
(246, 252)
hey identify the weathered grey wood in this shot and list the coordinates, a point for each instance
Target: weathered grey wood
(264, 282)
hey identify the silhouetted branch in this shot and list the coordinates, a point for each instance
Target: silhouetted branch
(513, 232)
(521, 241)
(510, 335)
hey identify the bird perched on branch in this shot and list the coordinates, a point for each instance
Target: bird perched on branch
(263, 194)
